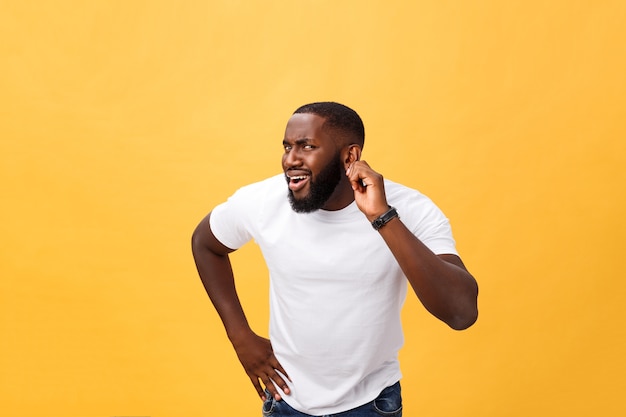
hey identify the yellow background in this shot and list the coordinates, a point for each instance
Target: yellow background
(122, 123)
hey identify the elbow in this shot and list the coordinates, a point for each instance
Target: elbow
(462, 322)
(467, 314)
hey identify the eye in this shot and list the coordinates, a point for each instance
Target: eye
(287, 148)
(308, 147)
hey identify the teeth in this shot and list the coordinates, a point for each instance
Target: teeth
(298, 177)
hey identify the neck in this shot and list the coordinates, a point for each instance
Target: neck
(341, 198)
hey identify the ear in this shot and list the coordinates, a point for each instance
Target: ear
(352, 154)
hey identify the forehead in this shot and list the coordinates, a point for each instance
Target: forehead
(305, 125)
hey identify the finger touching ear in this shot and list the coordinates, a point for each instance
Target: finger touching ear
(354, 154)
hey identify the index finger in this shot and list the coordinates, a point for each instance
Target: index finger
(354, 174)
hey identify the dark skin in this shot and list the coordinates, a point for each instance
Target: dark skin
(441, 282)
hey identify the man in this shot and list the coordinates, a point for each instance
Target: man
(340, 243)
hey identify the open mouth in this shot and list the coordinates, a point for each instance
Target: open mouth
(297, 182)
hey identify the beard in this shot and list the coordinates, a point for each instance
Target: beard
(320, 189)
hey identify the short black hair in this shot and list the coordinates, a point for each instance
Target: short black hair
(339, 117)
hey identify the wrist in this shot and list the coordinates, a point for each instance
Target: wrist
(374, 214)
(380, 221)
(239, 335)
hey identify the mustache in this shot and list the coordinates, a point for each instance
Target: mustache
(298, 171)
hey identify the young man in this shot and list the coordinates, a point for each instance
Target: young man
(340, 243)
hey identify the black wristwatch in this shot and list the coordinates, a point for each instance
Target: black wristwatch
(385, 218)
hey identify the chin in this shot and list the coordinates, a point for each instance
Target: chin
(303, 204)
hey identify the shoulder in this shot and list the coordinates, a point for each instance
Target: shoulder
(423, 217)
(410, 202)
(262, 189)
(400, 194)
(235, 221)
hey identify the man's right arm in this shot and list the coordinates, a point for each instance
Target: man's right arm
(254, 352)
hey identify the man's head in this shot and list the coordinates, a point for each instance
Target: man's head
(321, 140)
(342, 120)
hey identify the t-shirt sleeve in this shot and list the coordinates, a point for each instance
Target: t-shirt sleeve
(432, 227)
(230, 222)
(438, 237)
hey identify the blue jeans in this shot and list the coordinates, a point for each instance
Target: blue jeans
(387, 404)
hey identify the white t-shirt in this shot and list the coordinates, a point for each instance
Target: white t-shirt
(335, 288)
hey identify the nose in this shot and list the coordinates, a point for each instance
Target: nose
(291, 158)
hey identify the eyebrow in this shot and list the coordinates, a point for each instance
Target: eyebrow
(300, 141)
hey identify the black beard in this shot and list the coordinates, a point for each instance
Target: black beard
(320, 189)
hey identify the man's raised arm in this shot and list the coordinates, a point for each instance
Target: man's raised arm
(442, 283)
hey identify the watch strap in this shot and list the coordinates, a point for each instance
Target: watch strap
(385, 218)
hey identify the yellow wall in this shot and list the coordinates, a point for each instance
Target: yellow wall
(123, 122)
